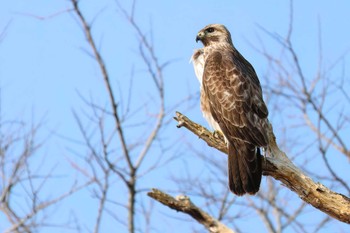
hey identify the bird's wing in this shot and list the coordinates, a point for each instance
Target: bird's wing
(235, 97)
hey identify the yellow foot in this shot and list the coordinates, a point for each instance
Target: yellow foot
(218, 134)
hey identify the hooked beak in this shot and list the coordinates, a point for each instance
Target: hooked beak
(200, 36)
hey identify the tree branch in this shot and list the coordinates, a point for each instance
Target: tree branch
(281, 168)
(183, 204)
(106, 78)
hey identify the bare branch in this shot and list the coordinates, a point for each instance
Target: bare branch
(155, 69)
(97, 55)
(281, 168)
(183, 204)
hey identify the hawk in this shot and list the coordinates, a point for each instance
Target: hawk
(232, 103)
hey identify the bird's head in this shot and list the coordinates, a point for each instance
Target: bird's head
(214, 33)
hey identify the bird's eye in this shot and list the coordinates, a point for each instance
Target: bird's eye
(210, 30)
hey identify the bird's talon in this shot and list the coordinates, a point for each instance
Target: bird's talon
(218, 134)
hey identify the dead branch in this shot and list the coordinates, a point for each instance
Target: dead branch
(183, 204)
(281, 168)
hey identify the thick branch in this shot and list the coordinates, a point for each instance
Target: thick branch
(183, 204)
(281, 168)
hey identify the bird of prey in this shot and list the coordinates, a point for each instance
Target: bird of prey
(232, 103)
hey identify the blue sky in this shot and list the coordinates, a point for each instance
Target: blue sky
(45, 66)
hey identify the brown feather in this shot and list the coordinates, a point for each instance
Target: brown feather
(244, 173)
(236, 112)
(231, 95)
